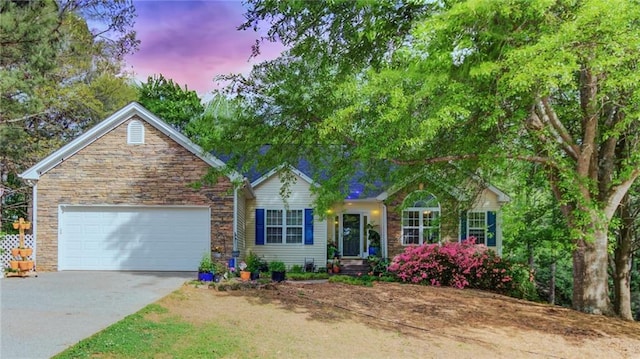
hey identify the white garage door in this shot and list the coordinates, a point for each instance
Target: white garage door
(161, 238)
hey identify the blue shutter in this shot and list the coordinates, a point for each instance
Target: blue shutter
(308, 226)
(463, 226)
(259, 226)
(491, 228)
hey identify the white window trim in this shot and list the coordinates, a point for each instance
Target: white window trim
(421, 227)
(484, 228)
(284, 227)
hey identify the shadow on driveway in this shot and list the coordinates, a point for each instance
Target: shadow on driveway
(44, 315)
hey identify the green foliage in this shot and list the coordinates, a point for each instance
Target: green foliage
(412, 86)
(364, 280)
(378, 266)
(255, 263)
(206, 264)
(277, 266)
(307, 275)
(296, 268)
(176, 105)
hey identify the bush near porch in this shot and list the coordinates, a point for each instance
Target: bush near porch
(461, 265)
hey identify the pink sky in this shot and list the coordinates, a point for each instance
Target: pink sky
(191, 42)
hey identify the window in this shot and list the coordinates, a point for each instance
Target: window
(421, 221)
(135, 133)
(477, 226)
(284, 226)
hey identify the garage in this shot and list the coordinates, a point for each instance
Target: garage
(154, 238)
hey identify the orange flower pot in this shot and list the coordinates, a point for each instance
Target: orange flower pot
(25, 252)
(13, 265)
(25, 265)
(15, 252)
(245, 275)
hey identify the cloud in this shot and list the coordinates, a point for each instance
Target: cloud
(191, 42)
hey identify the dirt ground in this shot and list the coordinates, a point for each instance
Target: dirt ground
(391, 320)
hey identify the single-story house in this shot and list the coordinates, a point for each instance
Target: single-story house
(128, 195)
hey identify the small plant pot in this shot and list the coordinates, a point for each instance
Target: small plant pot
(15, 252)
(217, 278)
(217, 255)
(16, 225)
(25, 252)
(245, 276)
(278, 276)
(336, 269)
(25, 265)
(374, 251)
(14, 265)
(255, 275)
(205, 276)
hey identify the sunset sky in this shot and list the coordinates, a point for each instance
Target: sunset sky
(193, 41)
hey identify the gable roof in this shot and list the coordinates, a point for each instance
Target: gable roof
(296, 171)
(111, 122)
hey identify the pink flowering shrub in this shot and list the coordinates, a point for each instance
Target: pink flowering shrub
(455, 264)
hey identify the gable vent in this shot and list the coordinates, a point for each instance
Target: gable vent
(135, 133)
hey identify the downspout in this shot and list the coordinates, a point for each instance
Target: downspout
(383, 228)
(235, 218)
(34, 218)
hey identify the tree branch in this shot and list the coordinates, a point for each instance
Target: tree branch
(24, 118)
(618, 192)
(556, 127)
(426, 161)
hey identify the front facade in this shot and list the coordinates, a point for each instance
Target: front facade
(120, 198)
(409, 216)
(128, 195)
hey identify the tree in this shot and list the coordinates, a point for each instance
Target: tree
(57, 75)
(627, 245)
(172, 103)
(396, 87)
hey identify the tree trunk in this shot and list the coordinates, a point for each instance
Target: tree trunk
(552, 283)
(622, 262)
(590, 260)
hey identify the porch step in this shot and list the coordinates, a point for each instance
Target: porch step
(354, 267)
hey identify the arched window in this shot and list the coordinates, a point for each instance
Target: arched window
(420, 219)
(135, 133)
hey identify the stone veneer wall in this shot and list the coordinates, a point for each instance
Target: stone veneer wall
(111, 172)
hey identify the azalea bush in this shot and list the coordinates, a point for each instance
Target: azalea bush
(455, 264)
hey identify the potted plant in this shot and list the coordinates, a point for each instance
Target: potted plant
(336, 265)
(245, 275)
(218, 271)
(206, 269)
(217, 251)
(332, 249)
(254, 264)
(374, 241)
(330, 266)
(278, 271)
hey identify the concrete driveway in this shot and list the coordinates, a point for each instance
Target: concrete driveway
(44, 315)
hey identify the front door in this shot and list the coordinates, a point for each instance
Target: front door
(351, 234)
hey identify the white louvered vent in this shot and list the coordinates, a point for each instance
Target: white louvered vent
(135, 133)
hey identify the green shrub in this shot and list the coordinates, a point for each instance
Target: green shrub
(277, 266)
(296, 268)
(307, 276)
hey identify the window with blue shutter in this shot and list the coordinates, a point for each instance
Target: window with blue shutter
(491, 228)
(463, 226)
(308, 226)
(259, 226)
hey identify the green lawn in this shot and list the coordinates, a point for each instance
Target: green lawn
(152, 333)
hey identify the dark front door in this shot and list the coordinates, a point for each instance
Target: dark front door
(351, 235)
